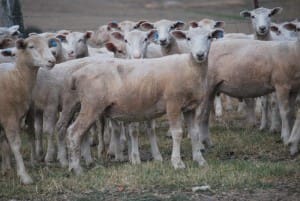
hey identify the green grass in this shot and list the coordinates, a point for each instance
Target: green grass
(240, 159)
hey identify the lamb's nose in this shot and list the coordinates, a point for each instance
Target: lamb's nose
(200, 56)
(163, 41)
(262, 28)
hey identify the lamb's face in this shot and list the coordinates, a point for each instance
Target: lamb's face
(8, 35)
(261, 19)
(207, 24)
(36, 51)
(199, 41)
(75, 43)
(164, 28)
(294, 27)
(136, 42)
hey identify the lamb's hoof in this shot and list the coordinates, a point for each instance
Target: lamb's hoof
(26, 179)
(285, 140)
(158, 157)
(262, 128)
(77, 170)
(201, 162)
(63, 163)
(274, 130)
(135, 161)
(49, 159)
(293, 148)
(178, 164)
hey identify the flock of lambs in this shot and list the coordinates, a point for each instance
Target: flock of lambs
(110, 81)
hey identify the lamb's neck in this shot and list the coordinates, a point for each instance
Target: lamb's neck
(267, 37)
(200, 69)
(27, 74)
(172, 48)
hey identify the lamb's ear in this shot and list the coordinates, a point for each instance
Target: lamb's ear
(118, 35)
(219, 24)
(275, 11)
(61, 37)
(290, 26)
(245, 14)
(152, 35)
(193, 24)
(88, 34)
(275, 29)
(14, 28)
(7, 53)
(113, 25)
(32, 34)
(218, 33)
(138, 24)
(179, 34)
(147, 26)
(21, 44)
(178, 25)
(110, 47)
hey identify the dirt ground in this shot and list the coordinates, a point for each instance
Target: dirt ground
(89, 14)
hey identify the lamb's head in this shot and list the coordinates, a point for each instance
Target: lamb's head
(75, 43)
(35, 52)
(164, 28)
(117, 47)
(294, 27)
(207, 23)
(136, 42)
(281, 31)
(8, 35)
(261, 19)
(125, 26)
(54, 43)
(199, 41)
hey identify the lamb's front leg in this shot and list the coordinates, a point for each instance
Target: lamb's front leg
(283, 97)
(134, 134)
(193, 129)
(150, 126)
(295, 136)
(175, 122)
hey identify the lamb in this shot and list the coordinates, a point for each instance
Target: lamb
(136, 47)
(233, 72)
(295, 135)
(17, 81)
(168, 44)
(8, 36)
(261, 22)
(48, 82)
(155, 94)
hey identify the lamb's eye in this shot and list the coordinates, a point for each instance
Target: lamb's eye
(146, 39)
(188, 38)
(209, 37)
(252, 16)
(80, 40)
(31, 47)
(126, 41)
(120, 51)
(298, 29)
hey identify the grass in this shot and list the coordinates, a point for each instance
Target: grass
(240, 159)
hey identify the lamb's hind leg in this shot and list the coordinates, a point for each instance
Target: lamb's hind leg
(49, 122)
(5, 153)
(295, 136)
(150, 126)
(193, 129)
(12, 131)
(76, 133)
